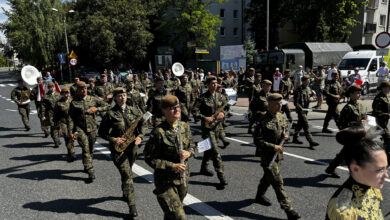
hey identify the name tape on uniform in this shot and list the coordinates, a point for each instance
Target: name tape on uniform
(204, 145)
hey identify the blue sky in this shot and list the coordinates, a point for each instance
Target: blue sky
(3, 3)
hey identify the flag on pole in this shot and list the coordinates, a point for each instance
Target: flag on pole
(58, 89)
(41, 92)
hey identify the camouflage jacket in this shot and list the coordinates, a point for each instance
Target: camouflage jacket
(73, 90)
(268, 133)
(185, 95)
(154, 100)
(147, 83)
(134, 99)
(381, 106)
(302, 97)
(331, 90)
(61, 111)
(285, 87)
(48, 104)
(163, 150)
(196, 85)
(78, 117)
(256, 88)
(20, 94)
(104, 90)
(259, 103)
(351, 115)
(139, 87)
(92, 91)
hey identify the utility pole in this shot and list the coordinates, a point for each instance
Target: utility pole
(267, 48)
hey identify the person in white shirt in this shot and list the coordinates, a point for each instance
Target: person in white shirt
(297, 76)
(382, 73)
(330, 71)
(277, 78)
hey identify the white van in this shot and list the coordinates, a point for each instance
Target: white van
(368, 63)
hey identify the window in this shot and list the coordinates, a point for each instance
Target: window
(222, 31)
(235, 14)
(222, 13)
(384, 1)
(235, 31)
(382, 20)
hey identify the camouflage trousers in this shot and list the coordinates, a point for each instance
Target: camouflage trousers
(68, 142)
(332, 112)
(86, 141)
(287, 111)
(44, 126)
(170, 198)
(337, 160)
(383, 122)
(55, 134)
(24, 112)
(303, 123)
(272, 177)
(124, 162)
(213, 154)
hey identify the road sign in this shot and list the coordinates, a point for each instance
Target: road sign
(382, 52)
(72, 55)
(61, 57)
(382, 40)
(201, 50)
(73, 61)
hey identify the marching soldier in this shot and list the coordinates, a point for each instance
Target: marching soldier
(116, 83)
(381, 112)
(227, 82)
(256, 88)
(267, 136)
(186, 98)
(206, 108)
(285, 89)
(302, 97)
(333, 92)
(222, 134)
(48, 103)
(92, 87)
(168, 82)
(133, 96)
(104, 89)
(137, 84)
(154, 100)
(82, 124)
(196, 84)
(259, 104)
(170, 164)
(119, 121)
(21, 96)
(60, 121)
(351, 115)
(147, 83)
(37, 95)
(249, 81)
(73, 88)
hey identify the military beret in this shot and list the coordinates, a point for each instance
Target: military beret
(65, 89)
(169, 101)
(305, 77)
(258, 75)
(50, 84)
(274, 97)
(267, 82)
(210, 78)
(353, 89)
(103, 75)
(129, 80)
(76, 78)
(91, 80)
(287, 70)
(81, 84)
(119, 90)
(384, 84)
(251, 69)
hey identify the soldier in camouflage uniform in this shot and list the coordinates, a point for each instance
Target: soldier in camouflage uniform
(285, 89)
(205, 108)
(92, 87)
(302, 97)
(137, 84)
(147, 83)
(259, 104)
(381, 111)
(186, 98)
(20, 95)
(256, 89)
(82, 124)
(249, 81)
(267, 136)
(222, 134)
(134, 97)
(351, 115)
(154, 100)
(38, 106)
(333, 92)
(196, 85)
(112, 128)
(104, 91)
(61, 110)
(162, 153)
(48, 103)
(116, 83)
(73, 88)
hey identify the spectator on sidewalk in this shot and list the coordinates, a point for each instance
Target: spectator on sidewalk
(276, 80)
(298, 76)
(382, 73)
(319, 85)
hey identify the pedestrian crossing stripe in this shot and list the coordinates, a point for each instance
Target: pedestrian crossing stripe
(10, 84)
(2, 85)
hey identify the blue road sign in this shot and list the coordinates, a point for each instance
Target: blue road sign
(62, 58)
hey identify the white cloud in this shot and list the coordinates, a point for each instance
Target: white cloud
(3, 4)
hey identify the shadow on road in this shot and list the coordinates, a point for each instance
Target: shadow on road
(77, 206)
(242, 158)
(48, 174)
(30, 145)
(314, 181)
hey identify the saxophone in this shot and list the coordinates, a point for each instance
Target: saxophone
(128, 135)
(211, 125)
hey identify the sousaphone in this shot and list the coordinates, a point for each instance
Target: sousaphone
(178, 69)
(30, 75)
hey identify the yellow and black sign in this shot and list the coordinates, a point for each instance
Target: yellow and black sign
(72, 55)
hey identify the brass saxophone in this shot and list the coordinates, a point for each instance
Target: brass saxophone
(128, 135)
(214, 123)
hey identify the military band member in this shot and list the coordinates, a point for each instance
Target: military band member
(137, 84)
(333, 92)
(249, 80)
(268, 134)
(259, 104)
(113, 128)
(222, 134)
(351, 115)
(61, 110)
(154, 100)
(82, 124)
(256, 89)
(147, 83)
(21, 95)
(205, 108)
(302, 97)
(168, 82)
(37, 97)
(116, 83)
(104, 89)
(134, 96)
(162, 153)
(48, 103)
(92, 87)
(286, 89)
(381, 112)
(186, 98)
(73, 88)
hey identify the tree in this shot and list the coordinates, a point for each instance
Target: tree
(250, 47)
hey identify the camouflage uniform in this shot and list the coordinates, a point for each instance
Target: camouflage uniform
(249, 81)
(331, 90)
(259, 104)
(38, 106)
(381, 111)
(92, 91)
(196, 85)
(115, 124)
(60, 119)
(256, 88)
(139, 86)
(73, 90)
(134, 99)
(170, 84)
(206, 106)
(22, 95)
(284, 89)
(148, 84)
(268, 133)
(153, 105)
(48, 104)
(186, 98)
(85, 125)
(161, 152)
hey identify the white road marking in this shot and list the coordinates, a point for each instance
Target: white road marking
(320, 127)
(10, 84)
(8, 99)
(238, 114)
(105, 152)
(190, 201)
(2, 85)
(11, 110)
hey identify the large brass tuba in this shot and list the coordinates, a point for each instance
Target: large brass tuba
(29, 75)
(177, 69)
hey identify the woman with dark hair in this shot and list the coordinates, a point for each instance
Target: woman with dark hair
(360, 197)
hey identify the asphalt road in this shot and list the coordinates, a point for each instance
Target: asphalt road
(37, 182)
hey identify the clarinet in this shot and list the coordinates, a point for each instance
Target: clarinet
(182, 175)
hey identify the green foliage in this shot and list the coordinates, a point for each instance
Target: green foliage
(250, 47)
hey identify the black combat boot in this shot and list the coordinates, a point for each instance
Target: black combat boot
(332, 173)
(262, 200)
(313, 144)
(292, 215)
(46, 134)
(133, 211)
(205, 171)
(91, 176)
(71, 157)
(225, 144)
(296, 141)
(222, 182)
(28, 128)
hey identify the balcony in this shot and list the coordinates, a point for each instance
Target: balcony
(373, 4)
(370, 28)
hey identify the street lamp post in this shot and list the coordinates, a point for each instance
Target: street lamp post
(66, 41)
